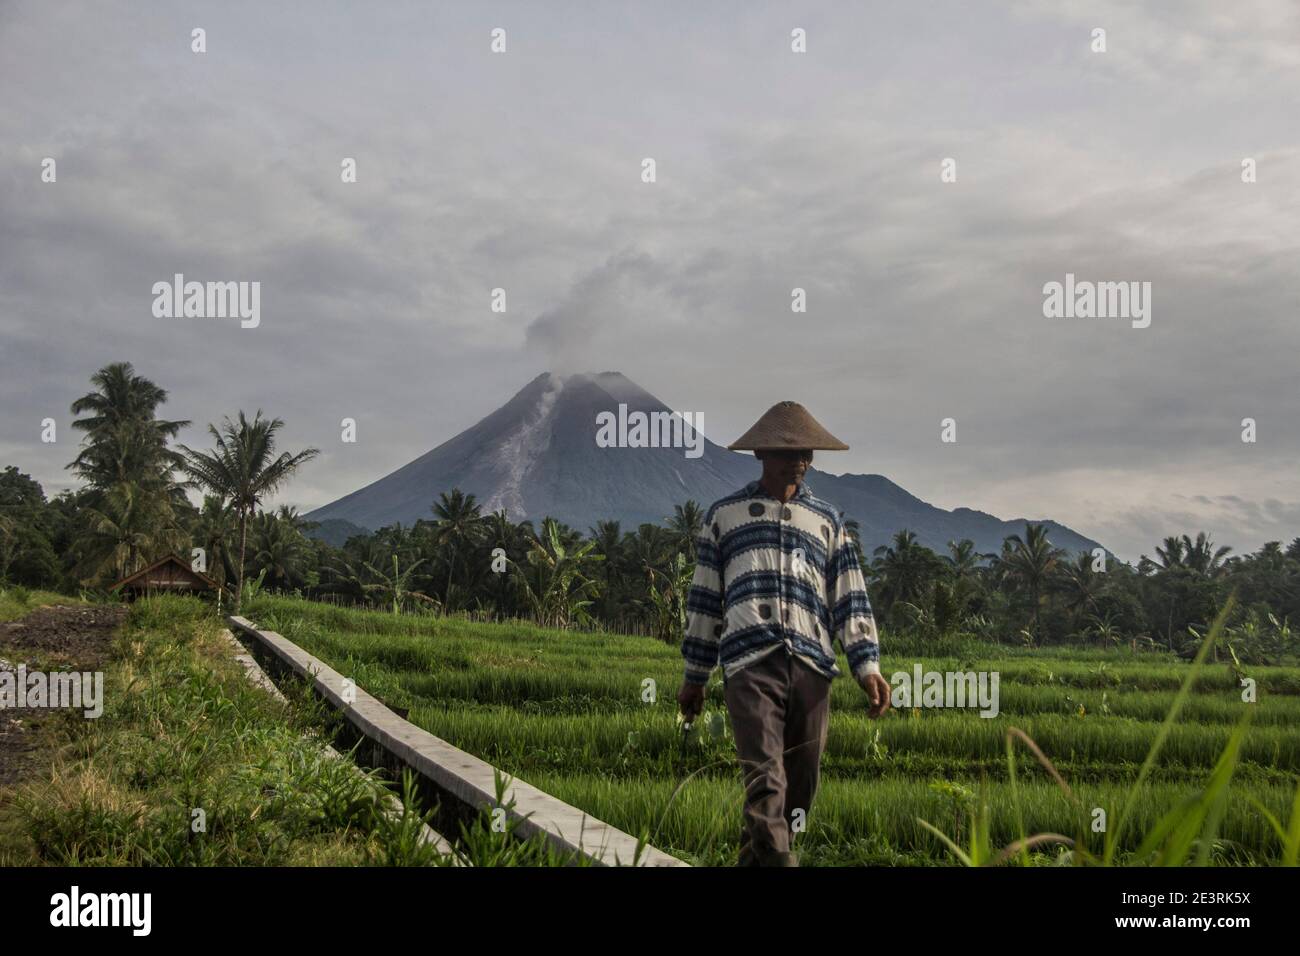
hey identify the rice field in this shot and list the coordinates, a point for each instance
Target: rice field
(575, 714)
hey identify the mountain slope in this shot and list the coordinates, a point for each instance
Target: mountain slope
(537, 456)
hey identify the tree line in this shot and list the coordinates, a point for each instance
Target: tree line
(133, 507)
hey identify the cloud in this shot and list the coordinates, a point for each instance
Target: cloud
(775, 171)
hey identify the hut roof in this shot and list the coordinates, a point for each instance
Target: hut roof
(171, 573)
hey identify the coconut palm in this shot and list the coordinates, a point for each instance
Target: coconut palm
(963, 559)
(133, 500)
(1170, 554)
(124, 441)
(1080, 586)
(460, 527)
(295, 520)
(1202, 557)
(686, 523)
(854, 531)
(904, 569)
(1027, 564)
(279, 549)
(347, 576)
(1185, 580)
(215, 527)
(513, 540)
(647, 549)
(1103, 629)
(243, 468)
(608, 538)
(129, 526)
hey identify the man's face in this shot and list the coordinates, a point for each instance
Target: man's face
(786, 467)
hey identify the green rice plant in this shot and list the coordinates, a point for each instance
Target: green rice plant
(492, 839)
(980, 849)
(1226, 764)
(562, 709)
(401, 834)
(1190, 826)
(1194, 823)
(1290, 835)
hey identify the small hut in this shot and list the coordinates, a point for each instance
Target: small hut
(171, 575)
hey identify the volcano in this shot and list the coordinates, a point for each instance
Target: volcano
(538, 456)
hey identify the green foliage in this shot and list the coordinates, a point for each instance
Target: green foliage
(185, 730)
(132, 510)
(565, 711)
(494, 838)
(394, 587)
(669, 599)
(243, 468)
(557, 584)
(459, 560)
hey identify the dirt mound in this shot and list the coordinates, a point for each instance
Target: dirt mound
(77, 638)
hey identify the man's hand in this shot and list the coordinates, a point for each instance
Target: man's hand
(691, 700)
(878, 692)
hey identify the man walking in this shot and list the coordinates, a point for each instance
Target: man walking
(777, 581)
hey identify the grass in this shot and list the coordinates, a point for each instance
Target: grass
(566, 711)
(192, 765)
(16, 601)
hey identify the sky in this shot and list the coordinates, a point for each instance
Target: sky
(522, 170)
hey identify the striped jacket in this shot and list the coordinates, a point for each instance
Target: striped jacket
(769, 574)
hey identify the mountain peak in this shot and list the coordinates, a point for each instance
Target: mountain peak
(537, 456)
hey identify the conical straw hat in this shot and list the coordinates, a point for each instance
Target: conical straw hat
(787, 425)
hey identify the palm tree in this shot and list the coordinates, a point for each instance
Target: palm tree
(133, 499)
(686, 524)
(1080, 586)
(1028, 563)
(243, 468)
(1201, 556)
(1171, 555)
(124, 441)
(1187, 574)
(514, 541)
(213, 532)
(1104, 629)
(279, 549)
(608, 538)
(904, 569)
(648, 548)
(962, 558)
(854, 531)
(295, 520)
(341, 575)
(127, 527)
(460, 526)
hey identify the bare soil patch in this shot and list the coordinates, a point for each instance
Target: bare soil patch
(76, 638)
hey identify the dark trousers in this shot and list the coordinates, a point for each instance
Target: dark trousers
(780, 712)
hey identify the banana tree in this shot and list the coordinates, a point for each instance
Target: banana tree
(394, 587)
(558, 588)
(669, 602)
